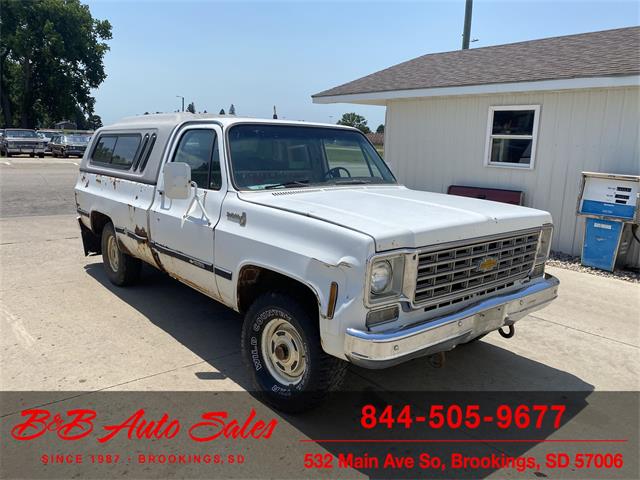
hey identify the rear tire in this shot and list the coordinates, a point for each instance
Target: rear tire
(122, 269)
(282, 349)
(41, 155)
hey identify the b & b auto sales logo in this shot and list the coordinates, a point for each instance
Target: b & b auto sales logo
(80, 423)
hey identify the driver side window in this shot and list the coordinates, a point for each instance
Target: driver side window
(198, 148)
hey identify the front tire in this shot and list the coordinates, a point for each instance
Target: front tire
(282, 349)
(122, 269)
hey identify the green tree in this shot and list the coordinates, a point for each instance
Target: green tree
(51, 56)
(232, 109)
(354, 120)
(191, 107)
(94, 122)
(380, 128)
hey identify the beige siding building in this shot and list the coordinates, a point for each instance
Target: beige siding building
(529, 116)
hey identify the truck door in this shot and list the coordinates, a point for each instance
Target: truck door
(182, 230)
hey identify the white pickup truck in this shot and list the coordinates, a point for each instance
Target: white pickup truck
(304, 230)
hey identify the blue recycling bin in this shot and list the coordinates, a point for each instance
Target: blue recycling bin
(601, 240)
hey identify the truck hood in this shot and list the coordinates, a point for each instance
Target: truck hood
(396, 217)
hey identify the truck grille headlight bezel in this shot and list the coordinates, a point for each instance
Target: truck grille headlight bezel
(392, 288)
(544, 244)
(543, 251)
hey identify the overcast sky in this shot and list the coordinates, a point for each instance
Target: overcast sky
(260, 54)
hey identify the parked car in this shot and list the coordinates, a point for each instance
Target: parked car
(16, 141)
(67, 145)
(47, 136)
(303, 229)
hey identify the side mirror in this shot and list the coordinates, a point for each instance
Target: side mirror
(177, 180)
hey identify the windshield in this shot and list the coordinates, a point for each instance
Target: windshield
(281, 156)
(77, 138)
(22, 133)
(48, 135)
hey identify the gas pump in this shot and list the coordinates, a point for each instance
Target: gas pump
(611, 205)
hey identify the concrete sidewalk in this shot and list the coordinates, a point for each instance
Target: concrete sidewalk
(65, 327)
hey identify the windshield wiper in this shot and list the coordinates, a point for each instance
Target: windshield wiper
(293, 183)
(351, 181)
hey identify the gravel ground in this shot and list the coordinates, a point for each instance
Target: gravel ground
(562, 260)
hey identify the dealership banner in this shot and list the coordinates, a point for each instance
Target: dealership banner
(370, 433)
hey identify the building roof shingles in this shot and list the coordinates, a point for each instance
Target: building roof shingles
(596, 54)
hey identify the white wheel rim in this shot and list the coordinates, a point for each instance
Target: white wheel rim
(283, 350)
(113, 253)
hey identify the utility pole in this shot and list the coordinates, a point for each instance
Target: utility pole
(180, 96)
(467, 24)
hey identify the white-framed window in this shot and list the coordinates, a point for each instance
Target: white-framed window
(511, 136)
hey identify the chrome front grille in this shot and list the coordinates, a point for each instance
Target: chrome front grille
(456, 274)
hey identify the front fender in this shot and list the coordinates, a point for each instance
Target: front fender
(310, 251)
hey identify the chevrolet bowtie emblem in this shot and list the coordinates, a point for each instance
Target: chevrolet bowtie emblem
(487, 264)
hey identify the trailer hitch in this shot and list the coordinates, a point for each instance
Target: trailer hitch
(509, 333)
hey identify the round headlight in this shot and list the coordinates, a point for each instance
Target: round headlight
(380, 276)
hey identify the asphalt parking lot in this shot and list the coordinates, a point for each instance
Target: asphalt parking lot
(66, 328)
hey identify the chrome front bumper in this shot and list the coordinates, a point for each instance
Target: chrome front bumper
(19, 150)
(385, 349)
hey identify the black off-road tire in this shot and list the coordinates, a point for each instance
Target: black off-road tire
(126, 269)
(323, 373)
(41, 155)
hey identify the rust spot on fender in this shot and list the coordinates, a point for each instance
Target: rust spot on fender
(141, 232)
(191, 284)
(156, 257)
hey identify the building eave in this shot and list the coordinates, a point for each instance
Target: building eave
(381, 98)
